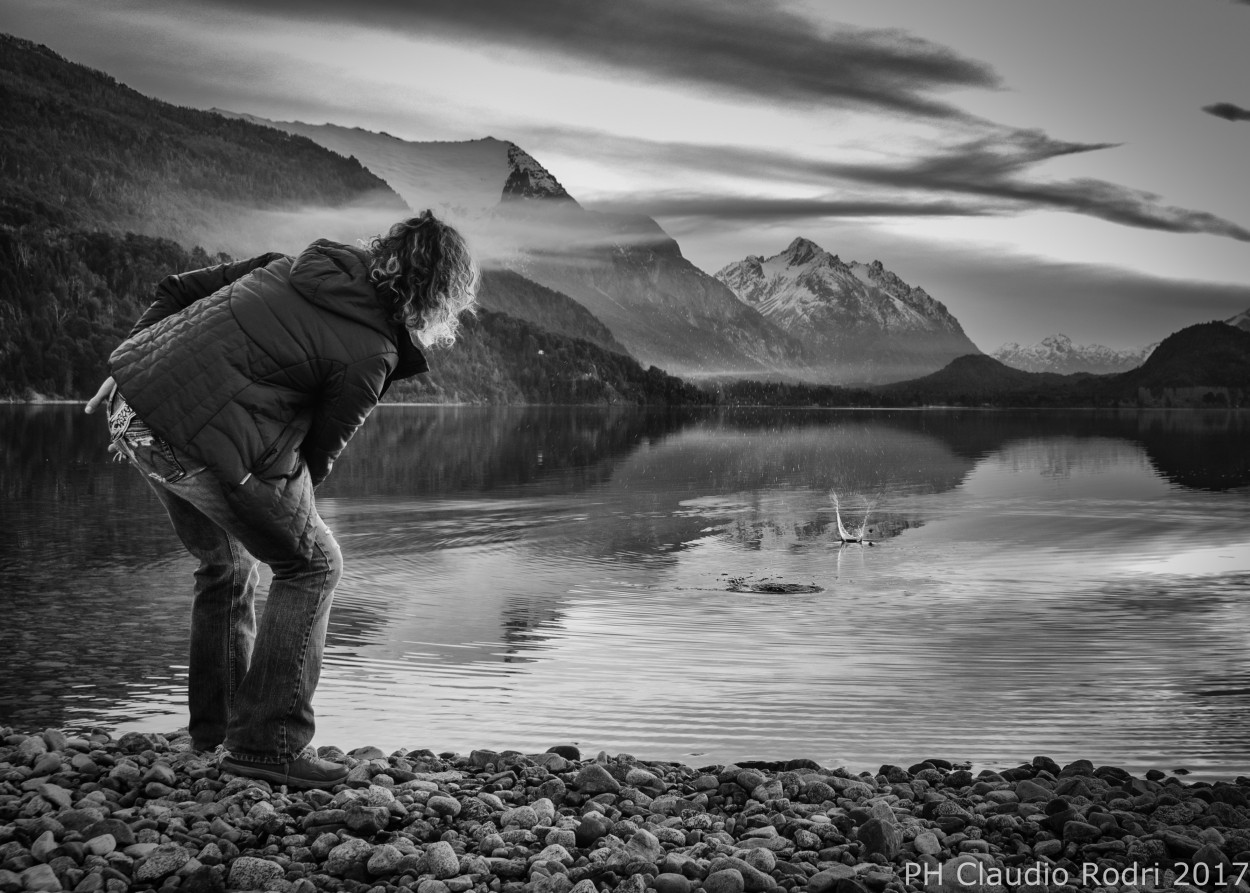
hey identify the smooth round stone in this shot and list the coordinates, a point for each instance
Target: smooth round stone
(760, 859)
(442, 860)
(385, 860)
(519, 817)
(251, 873)
(669, 882)
(101, 845)
(593, 779)
(443, 806)
(43, 846)
(927, 844)
(344, 858)
(40, 877)
(826, 881)
(727, 880)
(593, 826)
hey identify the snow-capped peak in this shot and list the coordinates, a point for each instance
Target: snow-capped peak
(1057, 353)
(529, 179)
(805, 284)
(802, 251)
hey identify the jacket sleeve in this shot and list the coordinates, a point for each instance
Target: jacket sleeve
(173, 293)
(346, 401)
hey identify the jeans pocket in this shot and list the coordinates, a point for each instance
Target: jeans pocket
(165, 464)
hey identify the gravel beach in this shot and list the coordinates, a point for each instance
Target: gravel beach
(85, 811)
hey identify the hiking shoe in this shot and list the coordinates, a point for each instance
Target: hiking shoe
(306, 771)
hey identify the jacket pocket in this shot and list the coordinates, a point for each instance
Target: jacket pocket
(282, 456)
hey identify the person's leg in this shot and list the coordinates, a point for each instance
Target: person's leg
(223, 620)
(271, 718)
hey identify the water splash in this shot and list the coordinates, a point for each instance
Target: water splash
(858, 534)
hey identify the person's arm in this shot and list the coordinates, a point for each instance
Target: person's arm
(173, 293)
(346, 401)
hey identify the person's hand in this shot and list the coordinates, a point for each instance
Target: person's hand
(100, 395)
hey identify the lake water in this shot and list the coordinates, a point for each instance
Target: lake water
(672, 585)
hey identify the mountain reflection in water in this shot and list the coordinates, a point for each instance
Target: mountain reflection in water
(672, 584)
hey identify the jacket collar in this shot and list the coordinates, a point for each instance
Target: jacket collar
(411, 360)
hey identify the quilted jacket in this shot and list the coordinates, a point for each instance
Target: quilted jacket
(251, 366)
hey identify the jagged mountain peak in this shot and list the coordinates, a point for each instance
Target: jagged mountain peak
(802, 251)
(529, 179)
(857, 315)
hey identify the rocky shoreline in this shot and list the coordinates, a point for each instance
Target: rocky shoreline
(84, 811)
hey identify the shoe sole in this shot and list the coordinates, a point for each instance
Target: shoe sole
(279, 778)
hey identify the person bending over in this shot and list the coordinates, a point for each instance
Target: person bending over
(234, 393)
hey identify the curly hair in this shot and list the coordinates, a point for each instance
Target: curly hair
(423, 268)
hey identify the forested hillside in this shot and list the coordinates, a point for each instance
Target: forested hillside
(67, 297)
(91, 171)
(79, 149)
(502, 359)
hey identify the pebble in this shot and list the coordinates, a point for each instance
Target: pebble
(442, 860)
(593, 779)
(350, 855)
(97, 815)
(727, 880)
(251, 873)
(162, 861)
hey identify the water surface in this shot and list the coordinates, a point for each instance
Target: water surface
(1070, 584)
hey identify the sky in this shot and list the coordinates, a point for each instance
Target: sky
(1074, 166)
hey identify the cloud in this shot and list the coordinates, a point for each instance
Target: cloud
(991, 174)
(1004, 296)
(992, 168)
(763, 209)
(763, 49)
(1227, 110)
(1000, 294)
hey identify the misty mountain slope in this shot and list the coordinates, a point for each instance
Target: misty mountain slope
(860, 322)
(1058, 354)
(79, 149)
(506, 291)
(624, 269)
(454, 179)
(499, 358)
(667, 311)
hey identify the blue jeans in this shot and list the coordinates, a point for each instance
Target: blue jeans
(249, 686)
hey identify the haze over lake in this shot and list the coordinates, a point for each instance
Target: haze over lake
(1070, 584)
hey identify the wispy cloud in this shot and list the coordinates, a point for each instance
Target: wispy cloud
(763, 209)
(763, 49)
(993, 174)
(1227, 110)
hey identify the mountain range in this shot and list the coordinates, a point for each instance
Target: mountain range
(106, 190)
(860, 322)
(1058, 354)
(624, 269)
(1207, 364)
